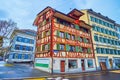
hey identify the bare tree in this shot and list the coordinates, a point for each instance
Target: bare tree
(6, 27)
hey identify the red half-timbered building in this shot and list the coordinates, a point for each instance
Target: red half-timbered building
(63, 43)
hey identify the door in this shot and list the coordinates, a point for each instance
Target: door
(62, 66)
(103, 66)
(83, 64)
(111, 63)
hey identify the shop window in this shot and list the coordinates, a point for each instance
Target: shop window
(90, 63)
(72, 64)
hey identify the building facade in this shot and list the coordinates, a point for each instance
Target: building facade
(105, 39)
(22, 46)
(64, 43)
(1, 41)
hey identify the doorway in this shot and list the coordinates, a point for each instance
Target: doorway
(62, 64)
(83, 64)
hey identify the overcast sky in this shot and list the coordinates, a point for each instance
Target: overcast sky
(23, 12)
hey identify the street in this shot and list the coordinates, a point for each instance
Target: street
(27, 72)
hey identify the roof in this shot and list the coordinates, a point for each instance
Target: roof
(25, 31)
(61, 15)
(99, 15)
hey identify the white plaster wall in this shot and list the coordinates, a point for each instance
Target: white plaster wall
(57, 66)
(86, 65)
(42, 68)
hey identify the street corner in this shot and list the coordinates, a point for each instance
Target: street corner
(35, 79)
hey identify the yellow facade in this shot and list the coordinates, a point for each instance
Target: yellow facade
(86, 18)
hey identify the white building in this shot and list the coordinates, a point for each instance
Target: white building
(22, 46)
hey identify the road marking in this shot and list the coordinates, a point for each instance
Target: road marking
(8, 72)
(36, 79)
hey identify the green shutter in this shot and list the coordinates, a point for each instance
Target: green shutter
(43, 47)
(67, 35)
(77, 27)
(58, 33)
(58, 46)
(44, 22)
(67, 47)
(89, 50)
(48, 46)
(78, 38)
(84, 40)
(77, 49)
(80, 49)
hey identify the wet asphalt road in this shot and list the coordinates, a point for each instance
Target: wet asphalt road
(99, 76)
(20, 71)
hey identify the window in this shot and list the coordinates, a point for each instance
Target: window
(98, 50)
(16, 56)
(81, 49)
(62, 46)
(87, 41)
(31, 48)
(81, 39)
(85, 50)
(61, 34)
(67, 35)
(72, 48)
(23, 47)
(73, 37)
(17, 47)
(101, 39)
(77, 27)
(72, 64)
(47, 33)
(84, 40)
(23, 56)
(45, 47)
(31, 41)
(95, 37)
(19, 39)
(90, 63)
(89, 50)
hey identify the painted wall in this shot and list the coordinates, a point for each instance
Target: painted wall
(57, 66)
(43, 64)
